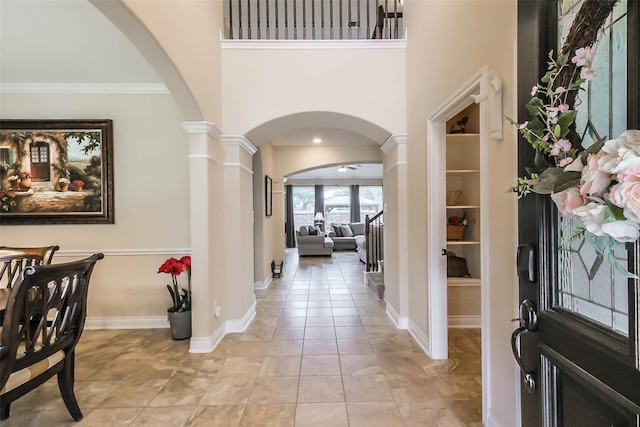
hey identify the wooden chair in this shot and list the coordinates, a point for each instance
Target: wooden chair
(13, 260)
(44, 319)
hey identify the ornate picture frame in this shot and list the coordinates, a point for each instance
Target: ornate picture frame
(56, 172)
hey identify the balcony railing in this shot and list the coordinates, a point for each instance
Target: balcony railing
(313, 19)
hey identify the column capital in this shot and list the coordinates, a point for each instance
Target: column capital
(202, 128)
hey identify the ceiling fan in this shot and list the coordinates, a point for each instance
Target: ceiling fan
(343, 168)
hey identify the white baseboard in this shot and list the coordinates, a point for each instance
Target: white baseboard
(398, 321)
(492, 421)
(140, 322)
(208, 344)
(421, 339)
(264, 284)
(464, 321)
(237, 326)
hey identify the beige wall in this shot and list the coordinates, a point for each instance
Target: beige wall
(151, 199)
(189, 33)
(260, 85)
(441, 57)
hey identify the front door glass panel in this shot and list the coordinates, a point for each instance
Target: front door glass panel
(588, 284)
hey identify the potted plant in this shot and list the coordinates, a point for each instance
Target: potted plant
(63, 184)
(14, 181)
(180, 311)
(78, 184)
(25, 181)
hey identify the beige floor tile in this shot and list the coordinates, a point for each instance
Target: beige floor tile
(277, 415)
(355, 346)
(285, 348)
(380, 414)
(216, 416)
(320, 389)
(320, 365)
(321, 414)
(280, 366)
(319, 347)
(360, 364)
(152, 417)
(181, 391)
(228, 391)
(108, 417)
(366, 388)
(270, 390)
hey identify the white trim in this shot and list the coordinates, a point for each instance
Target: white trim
(393, 141)
(85, 88)
(399, 322)
(421, 339)
(207, 345)
(140, 322)
(123, 252)
(264, 284)
(238, 165)
(393, 166)
(312, 44)
(202, 156)
(492, 421)
(240, 141)
(465, 321)
(238, 326)
(202, 128)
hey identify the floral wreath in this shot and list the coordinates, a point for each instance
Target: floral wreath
(598, 186)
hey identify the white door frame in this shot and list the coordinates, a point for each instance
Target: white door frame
(484, 88)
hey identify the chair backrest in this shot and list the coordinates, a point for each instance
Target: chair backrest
(13, 260)
(45, 313)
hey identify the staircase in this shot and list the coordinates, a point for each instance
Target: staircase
(374, 244)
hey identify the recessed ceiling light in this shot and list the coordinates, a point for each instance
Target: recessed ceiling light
(317, 140)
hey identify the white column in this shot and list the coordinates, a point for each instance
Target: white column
(208, 262)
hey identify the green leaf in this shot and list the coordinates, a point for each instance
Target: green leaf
(566, 119)
(613, 213)
(534, 105)
(557, 130)
(546, 180)
(547, 77)
(540, 161)
(566, 180)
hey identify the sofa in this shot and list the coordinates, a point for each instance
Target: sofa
(312, 241)
(344, 236)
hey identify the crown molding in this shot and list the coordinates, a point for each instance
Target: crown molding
(240, 141)
(392, 142)
(202, 128)
(84, 88)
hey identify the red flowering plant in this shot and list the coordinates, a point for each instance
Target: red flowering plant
(7, 201)
(175, 267)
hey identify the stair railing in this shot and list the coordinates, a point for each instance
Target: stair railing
(374, 241)
(313, 19)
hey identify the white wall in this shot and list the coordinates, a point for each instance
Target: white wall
(151, 200)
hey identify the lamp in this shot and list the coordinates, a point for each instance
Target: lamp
(319, 220)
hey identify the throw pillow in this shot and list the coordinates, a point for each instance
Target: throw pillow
(312, 230)
(346, 231)
(357, 228)
(304, 231)
(336, 229)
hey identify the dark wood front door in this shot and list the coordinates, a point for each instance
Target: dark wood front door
(40, 161)
(578, 338)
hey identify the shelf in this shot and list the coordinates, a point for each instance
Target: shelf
(463, 242)
(463, 170)
(463, 207)
(463, 281)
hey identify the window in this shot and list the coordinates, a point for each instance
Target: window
(303, 206)
(370, 200)
(337, 205)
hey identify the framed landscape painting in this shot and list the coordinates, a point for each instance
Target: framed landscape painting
(56, 172)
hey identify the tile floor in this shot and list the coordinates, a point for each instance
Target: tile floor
(320, 352)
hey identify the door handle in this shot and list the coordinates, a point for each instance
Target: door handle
(528, 322)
